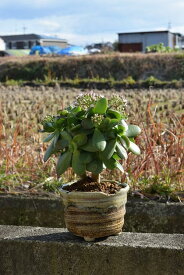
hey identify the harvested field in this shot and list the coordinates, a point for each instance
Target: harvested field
(160, 114)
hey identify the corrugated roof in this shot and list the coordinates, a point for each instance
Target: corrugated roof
(144, 32)
(30, 36)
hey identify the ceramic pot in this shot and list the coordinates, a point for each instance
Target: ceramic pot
(93, 215)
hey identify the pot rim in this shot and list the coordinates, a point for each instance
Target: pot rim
(124, 188)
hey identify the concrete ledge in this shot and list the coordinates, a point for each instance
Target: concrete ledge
(47, 251)
(141, 216)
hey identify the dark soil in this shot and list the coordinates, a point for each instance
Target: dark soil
(88, 185)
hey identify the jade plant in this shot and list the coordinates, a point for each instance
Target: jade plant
(90, 135)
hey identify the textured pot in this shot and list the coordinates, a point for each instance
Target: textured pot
(94, 214)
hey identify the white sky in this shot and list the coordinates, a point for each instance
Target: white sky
(83, 21)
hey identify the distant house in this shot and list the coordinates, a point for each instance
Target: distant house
(2, 45)
(27, 41)
(138, 41)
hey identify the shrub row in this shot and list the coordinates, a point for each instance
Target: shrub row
(165, 67)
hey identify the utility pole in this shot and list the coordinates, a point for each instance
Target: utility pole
(169, 25)
(24, 30)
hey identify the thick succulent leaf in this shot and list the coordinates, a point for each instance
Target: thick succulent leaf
(80, 139)
(113, 122)
(133, 131)
(89, 146)
(86, 157)
(76, 128)
(114, 114)
(121, 151)
(119, 166)
(87, 123)
(80, 113)
(49, 151)
(57, 134)
(110, 163)
(105, 124)
(125, 141)
(64, 162)
(49, 137)
(120, 130)
(109, 149)
(66, 136)
(116, 157)
(101, 106)
(76, 109)
(78, 167)
(61, 144)
(95, 166)
(98, 140)
(134, 148)
(62, 112)
(124, 124)
(48, 127)
(59, 123)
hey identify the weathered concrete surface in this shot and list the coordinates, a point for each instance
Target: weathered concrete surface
(141, 216)
(37, 251)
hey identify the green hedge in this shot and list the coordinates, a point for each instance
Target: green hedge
(165, 67)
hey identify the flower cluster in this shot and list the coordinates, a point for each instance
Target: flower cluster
(47, 119)
(87, 100)
(97, 119)
(118, 103)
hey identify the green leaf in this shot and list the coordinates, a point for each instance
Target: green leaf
(113, 122)
(76, 109)
(109, 149)
(80, 139)
(49, 137)
(57, 134)
(134, 148)
(76, 128)
(66, 136)
(119, 166)
(78, 167)
(114, 114)
(61, 144)
(87, 123)
(116, 157)
(120, 130)
(105, 124)
(63, 162)
(89, 146)
(62, 112)
(124, 124)
(98, 140)
(110, 163)
(121, 151)
(48, 127)
(59, 123)
(86, 157)
(95, 166)
(125, 141)
(133, 131)
(49, 151)
(101, 106)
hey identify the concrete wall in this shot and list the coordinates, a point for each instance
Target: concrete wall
(141, 216)
(43, 251)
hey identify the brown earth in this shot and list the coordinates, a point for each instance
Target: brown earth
(88, 185)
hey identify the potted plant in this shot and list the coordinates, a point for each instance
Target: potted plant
(92, 135)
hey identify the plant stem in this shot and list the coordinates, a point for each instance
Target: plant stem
(96, 177)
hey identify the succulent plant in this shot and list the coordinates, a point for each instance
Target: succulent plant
(90, 135)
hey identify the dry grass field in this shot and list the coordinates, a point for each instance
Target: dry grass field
(159, 113)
